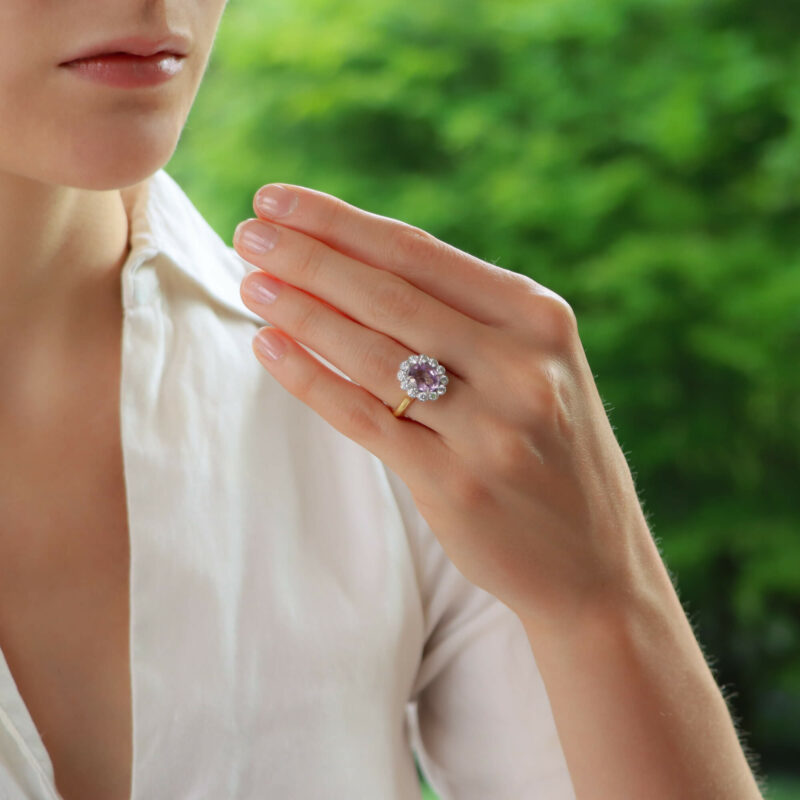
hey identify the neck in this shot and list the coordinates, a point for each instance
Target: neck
(57, 243)
(61, 253)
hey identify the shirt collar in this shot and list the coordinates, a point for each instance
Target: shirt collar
(166, 226)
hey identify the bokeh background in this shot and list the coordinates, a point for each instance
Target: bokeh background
(639, 157)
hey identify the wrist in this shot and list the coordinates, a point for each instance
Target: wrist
(637, 709)
(636, 587)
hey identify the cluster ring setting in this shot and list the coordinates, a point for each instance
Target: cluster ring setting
(422, 377)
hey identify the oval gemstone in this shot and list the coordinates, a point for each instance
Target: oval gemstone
(425, 376)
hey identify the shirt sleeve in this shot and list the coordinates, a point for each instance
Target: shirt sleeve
(479, 717)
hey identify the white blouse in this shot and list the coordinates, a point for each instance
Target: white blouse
(296, 628)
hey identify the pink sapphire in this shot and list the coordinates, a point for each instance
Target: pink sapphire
(422, 377)
(425, 377)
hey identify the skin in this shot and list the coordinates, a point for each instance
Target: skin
(73, 155)
(534, 463)
(515, 468)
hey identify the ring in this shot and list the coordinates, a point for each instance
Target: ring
(422, 378)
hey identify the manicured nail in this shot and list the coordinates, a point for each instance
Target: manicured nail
(261, 288)
(255, 236)
(275, 200)
(270, 345)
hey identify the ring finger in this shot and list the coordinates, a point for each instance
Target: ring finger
(368, 357)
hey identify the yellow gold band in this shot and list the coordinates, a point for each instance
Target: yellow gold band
(404, 404)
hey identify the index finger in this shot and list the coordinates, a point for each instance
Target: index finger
(483, 291)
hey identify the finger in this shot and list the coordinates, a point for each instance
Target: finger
(483, 291)
(369, 358)
(384, 302)
(352, 410)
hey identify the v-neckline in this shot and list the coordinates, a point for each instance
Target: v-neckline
(15, 716)
(19, 724)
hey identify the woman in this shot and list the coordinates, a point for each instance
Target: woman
(230, 570)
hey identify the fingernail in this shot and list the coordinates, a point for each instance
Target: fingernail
(255, 236)
(261, 289)
(274, 200)
(270, 345)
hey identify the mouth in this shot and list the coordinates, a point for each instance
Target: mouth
(121, 56)
(175, 45)
(127, 71)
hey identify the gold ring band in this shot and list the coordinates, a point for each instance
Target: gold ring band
(404, 404)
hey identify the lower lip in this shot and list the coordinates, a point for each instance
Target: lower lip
(128, 71)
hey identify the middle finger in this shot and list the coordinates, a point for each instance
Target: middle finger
(379, 300)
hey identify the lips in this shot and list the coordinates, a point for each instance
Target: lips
(125, 57)
(171, 44)
(125, 71)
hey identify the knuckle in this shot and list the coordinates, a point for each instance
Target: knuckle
(393, 301)
(556, 319)
(522, 288)
(559, 410)
(538, 387)
(304, 385)
(307, 265)
(409, 245)
(543, 400)
(361, 423)
(331, 216)
(376, 359)
(355, 419)
(546, 413)
(306, 320)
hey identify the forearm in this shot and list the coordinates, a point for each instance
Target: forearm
(638, 712)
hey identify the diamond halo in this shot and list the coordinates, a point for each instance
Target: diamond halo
(422, 377)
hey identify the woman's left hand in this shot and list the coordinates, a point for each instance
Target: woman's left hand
(515, 468)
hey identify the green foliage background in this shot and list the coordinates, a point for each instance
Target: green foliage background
(639, 157)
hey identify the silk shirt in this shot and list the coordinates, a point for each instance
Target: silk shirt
(296, 630)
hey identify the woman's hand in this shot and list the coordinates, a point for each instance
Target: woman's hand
(515, 468)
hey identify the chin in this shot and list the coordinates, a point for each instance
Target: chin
(118, 159)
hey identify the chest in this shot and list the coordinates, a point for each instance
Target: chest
(64, 613)
(274, 607)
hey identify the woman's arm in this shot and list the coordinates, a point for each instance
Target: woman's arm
(638, 712)
(516, 470)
